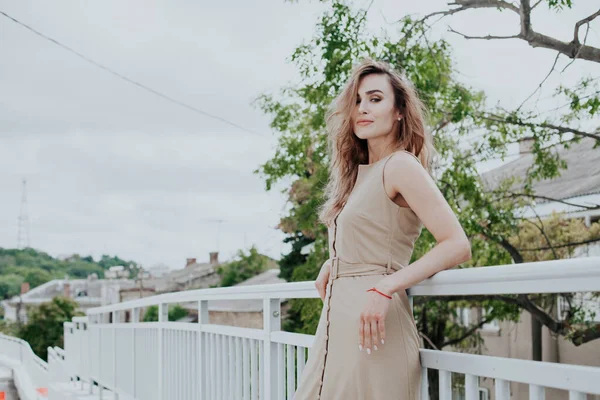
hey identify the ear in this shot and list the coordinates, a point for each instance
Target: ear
(399, 117)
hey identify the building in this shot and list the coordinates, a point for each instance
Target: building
(240, 313)
(87, 293)
(193, 275)
(117, 272)
(579, 184)
(158, 270)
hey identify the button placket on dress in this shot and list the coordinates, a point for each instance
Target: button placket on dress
(332, 276)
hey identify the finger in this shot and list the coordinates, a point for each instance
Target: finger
(367, 329)
(381, 325)
(374, 333)
(361, 335)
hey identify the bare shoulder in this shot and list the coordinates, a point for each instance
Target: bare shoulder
(404, 172)
(401, 162)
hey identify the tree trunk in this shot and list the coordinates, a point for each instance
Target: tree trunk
(536, 339)
(433, 378)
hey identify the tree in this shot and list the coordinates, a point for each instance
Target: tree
(561, 128)
(10, 285)
(176, 312)
(575, 49)
(37, 267)
(489, 215)
(245, 267)
(45, 324)
(37, 276)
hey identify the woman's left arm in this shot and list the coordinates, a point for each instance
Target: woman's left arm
(413, 183)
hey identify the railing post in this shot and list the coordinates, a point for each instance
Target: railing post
(163, 316)
(502, 389)
(116, 317)
(424, 384)
(537, 392)
(445, 382)
(135, 318)
(101, 320)
(271, 323)
(471, 387)
(202, 319)
(93, 319)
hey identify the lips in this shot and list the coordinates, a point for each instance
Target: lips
(363, 122)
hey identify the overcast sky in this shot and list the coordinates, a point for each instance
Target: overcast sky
(113, 169)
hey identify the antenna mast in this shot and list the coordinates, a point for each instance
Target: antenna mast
(23, 220)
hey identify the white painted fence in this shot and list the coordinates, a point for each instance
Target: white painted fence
(187, 361)
(30, 373)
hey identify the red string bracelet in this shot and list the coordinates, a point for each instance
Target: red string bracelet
(375, 290)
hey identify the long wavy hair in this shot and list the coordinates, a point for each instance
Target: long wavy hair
(347, 150)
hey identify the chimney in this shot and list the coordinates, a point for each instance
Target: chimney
(525, 145)
(67, 289)
(24, 287)
(214, 258)
(189, 261)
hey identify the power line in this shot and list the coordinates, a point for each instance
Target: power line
(129, 80)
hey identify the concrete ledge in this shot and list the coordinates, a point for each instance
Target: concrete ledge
(77, 391)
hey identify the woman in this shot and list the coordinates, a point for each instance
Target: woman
(379, 195)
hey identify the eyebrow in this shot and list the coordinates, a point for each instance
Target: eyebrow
(372, 91)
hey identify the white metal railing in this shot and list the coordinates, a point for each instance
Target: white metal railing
(57, 371)
(30, 373)
(170, 360)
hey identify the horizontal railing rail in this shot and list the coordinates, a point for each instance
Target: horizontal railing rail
(173, 360)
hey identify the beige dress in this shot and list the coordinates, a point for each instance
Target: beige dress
(371, 237)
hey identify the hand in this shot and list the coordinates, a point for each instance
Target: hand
(371, 326)
(323, 279)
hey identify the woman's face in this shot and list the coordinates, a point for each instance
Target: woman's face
(375, 114)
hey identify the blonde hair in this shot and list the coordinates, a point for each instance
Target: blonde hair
(347, 151)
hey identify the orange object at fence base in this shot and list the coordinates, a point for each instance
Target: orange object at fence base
(43, 391)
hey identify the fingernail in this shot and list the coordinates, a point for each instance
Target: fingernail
(360, 347)
(375, 346)
(382, 342)
(368, 350)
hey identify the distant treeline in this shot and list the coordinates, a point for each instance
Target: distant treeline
(36, 267)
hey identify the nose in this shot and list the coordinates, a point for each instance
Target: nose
(362, 107)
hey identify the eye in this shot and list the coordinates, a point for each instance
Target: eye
(377, 100)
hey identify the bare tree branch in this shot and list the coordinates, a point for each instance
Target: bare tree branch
(541, 83)
(582, 22)
(573, 49)
(587, 335)
(426, 338)
(564, 245)
(543, 232)
(466, 4)
(466, 334)
(577, 55)
(536, 4)
(561, 129)
(488, 37)
(535, 196)
(541, 315)
(522, 300)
